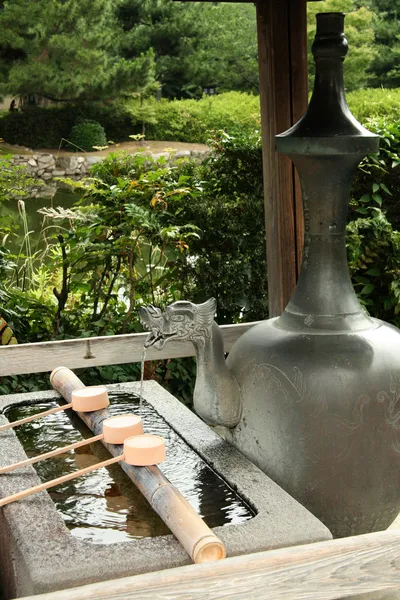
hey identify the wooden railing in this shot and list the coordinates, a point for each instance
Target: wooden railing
(321, 571)
(97, 351)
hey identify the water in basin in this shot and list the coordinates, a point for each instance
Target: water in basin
(105, 506)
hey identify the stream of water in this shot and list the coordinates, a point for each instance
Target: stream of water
(104, 507)
(141, 382)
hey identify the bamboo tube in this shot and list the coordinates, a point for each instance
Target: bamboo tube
(196, 537)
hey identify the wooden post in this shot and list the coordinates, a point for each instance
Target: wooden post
(282, 47)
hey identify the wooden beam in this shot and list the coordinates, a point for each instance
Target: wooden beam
(282, 49)
(97, 351)
(323, 571)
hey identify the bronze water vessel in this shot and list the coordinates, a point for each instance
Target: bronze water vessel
(313, 396)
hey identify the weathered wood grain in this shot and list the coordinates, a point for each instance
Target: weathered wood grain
(97, 351)
(282, 52)
(299, 70)
(323, 571)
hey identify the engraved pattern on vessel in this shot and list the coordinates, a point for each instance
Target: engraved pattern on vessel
(391, 404)
(320, 428)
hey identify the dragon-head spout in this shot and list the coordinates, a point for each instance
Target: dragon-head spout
(181, 320)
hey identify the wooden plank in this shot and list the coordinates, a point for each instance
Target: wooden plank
(299, 85)
(323, 571)
(98, 351)
(282, 65)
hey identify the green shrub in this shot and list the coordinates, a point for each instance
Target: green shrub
(47, 127)
(177, 120)
(193, 120)
(372, 103)
(87, 135)
(230, 256)
(377, 181)
(239, 113)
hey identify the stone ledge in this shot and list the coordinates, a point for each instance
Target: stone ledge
(45, 557)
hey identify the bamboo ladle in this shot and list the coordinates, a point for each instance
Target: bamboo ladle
(139, 450)
(85, 400)
(115, 431)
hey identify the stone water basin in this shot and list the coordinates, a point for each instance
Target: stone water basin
(99, 526)
(104, 507)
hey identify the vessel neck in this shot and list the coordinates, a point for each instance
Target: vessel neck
(326, 146)
(324, 296)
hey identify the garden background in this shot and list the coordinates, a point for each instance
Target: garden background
(90, 74)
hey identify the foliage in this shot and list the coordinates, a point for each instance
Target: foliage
(15, 181)
(67, 51)
(178, 120)
(119, 247)
(229, 53)
(374, 258)
(377, 182)
(372, 239)
(372, 103)
(387, 39)
(15, 184)
(86, 135)
(229, 258)
(195, 45)
(194, 120)
(173, 31)
(359, 33)
(47, 127)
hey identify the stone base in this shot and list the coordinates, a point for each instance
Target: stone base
(38, 554)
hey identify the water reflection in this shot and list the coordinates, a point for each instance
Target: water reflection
(104, 506)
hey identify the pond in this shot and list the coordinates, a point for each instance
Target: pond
(63, 197)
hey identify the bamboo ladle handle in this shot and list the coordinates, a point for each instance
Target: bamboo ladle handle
(115, 431)
(145, 449)
(58, 481)
(52, 411)
(84, 400)
(52, 454)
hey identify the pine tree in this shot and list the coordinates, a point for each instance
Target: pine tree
(174, 30)
(229, 55)
(67, 50)
(359, 32)
(195, 44)
(386, 66)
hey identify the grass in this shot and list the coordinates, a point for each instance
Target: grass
(4, 150)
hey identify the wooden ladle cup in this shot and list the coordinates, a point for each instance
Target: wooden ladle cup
(87, 399)
(115, 431)
(139, 450)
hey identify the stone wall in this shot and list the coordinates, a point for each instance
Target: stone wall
(48, 167)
